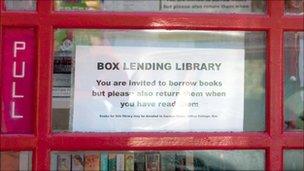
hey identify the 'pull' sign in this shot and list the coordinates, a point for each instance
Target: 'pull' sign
(18, 80)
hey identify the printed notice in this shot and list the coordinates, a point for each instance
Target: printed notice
(207, 6)
(138, 89)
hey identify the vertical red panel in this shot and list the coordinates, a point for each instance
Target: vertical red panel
(41, 157)
(18, 80)
(1, 6)
(275, 85)
(42, 154)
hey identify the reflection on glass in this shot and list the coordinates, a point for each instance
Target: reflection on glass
(20, 5)
(219, 160)
(294, 7)
(78, 5)
(294, 81)
(253, 42)
(15, 160)
(203, 6)
(293, 160)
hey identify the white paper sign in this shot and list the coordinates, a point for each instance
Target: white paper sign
(207, 6)
(137, 89)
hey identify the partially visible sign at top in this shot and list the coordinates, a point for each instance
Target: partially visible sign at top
(201, 6)
(18, 80)
(207, 6)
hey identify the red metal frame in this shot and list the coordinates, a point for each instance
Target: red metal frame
(45, 20)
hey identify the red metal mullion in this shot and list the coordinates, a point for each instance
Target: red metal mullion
(158, 141)
(293, 23)
(1, 7)
(45, 36)
(17, 142)
(19, 19)
(293, 140)
(45, 33)
(44, 7)
(2, 146)
(274, 99)
(275, 86)
(122, 20)
(44, 96)
(140, 21)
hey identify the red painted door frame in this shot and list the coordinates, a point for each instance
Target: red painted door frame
(274, 140)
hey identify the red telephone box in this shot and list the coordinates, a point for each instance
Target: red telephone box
(44, 22)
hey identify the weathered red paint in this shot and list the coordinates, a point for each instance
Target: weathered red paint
(274, 140)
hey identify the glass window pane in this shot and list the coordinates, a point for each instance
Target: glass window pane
(249, 101)
(294, 81)
(159, 160)
(293, 160)
(196, 6)
(20, 5)
(16, 160)
(78, 5)
(294, 7)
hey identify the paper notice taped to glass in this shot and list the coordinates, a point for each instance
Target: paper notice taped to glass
(207, 6)
(140, 89)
